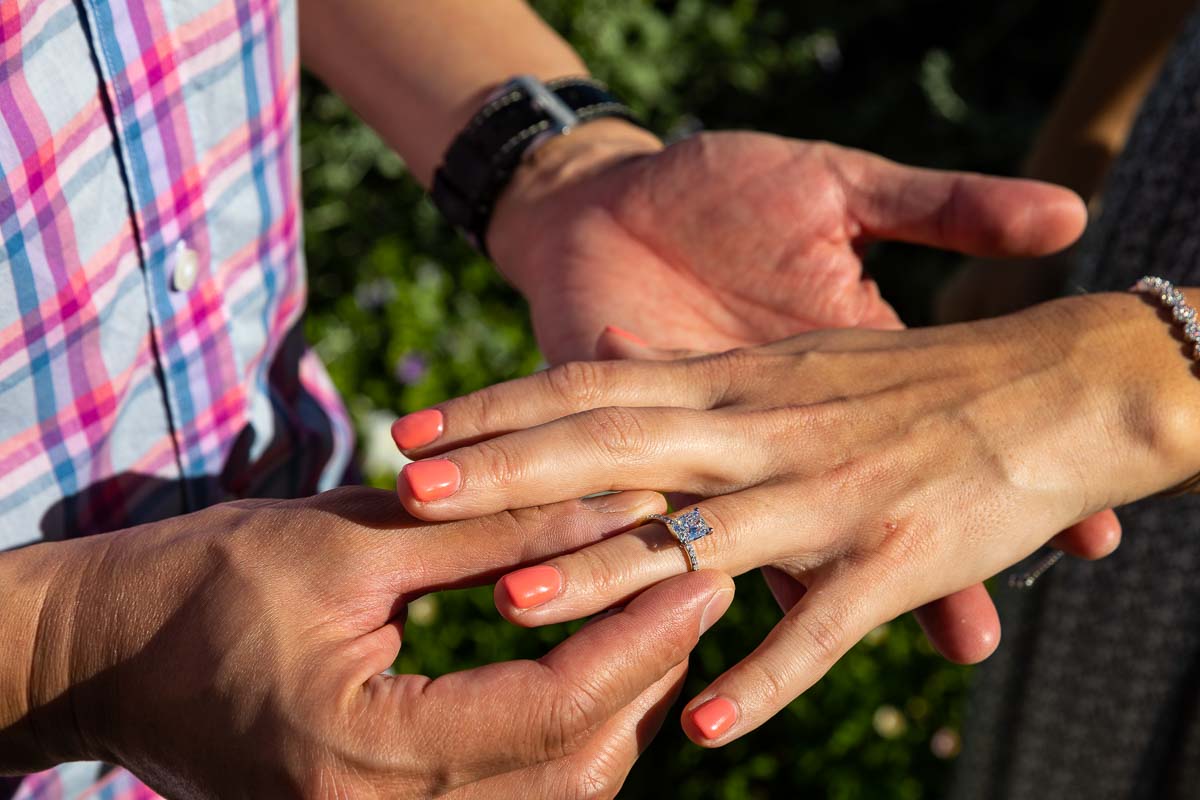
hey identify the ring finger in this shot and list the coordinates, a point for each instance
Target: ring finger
(746, 534)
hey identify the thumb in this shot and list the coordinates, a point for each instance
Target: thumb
(617, 344)
(973, 214)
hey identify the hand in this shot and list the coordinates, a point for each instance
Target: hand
(881, 470)
(238, 652)
(733, 239)
(963, 626)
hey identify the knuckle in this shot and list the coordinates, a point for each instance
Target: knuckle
(902, 542)
(918, 542)
(606, 575)
(770, 687)
(781, 427)
(824, 631)
(729, 373)
(493, 409)
(619, 432)
(487, 407)
(578, 384)
(497, 463)
(847, 478)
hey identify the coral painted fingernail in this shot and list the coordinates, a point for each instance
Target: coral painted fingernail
(532, 586)
(624, 334)
(714, 717)
(418, 429)
(432, 480)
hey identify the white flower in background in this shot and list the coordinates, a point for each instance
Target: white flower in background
(380, 454)
(423, 610)
(889, 722)
(877, 636)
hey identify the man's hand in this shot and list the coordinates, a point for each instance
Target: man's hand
(735, 239)
(732, 239)
(238, 652)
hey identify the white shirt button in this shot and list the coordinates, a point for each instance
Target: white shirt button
(187, 268)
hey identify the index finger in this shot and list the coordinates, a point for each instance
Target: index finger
(557, 392)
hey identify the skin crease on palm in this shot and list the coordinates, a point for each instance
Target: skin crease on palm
(752, 238)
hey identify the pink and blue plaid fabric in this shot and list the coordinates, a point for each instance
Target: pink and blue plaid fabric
(151, 275)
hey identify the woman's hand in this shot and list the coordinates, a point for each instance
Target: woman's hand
(964, 626)
(238, 652)
(880, 469)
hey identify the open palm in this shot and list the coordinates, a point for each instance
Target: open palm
(732, 239)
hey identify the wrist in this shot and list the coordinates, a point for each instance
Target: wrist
(1135, 365)
(37, 720)
(564, 161)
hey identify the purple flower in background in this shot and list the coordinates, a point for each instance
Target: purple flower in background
(411, 369)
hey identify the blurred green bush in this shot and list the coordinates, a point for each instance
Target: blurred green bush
(405, 314)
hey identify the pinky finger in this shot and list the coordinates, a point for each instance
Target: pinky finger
(1096, 537)
(964, 627)
(834, 614)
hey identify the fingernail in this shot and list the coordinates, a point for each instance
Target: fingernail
(432, 480)
(714, 717)
(532, 586)
(716, 608)
(624, 334)
(418, 429)
(616, 502)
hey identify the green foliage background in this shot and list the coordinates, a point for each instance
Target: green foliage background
(405, 315)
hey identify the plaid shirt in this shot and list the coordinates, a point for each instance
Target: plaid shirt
(151, 274)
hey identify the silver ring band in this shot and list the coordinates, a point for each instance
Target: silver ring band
(687, 528)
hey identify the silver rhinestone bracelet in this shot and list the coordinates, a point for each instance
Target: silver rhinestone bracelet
(1173, 299)
(1189, 321)
(1185, 315)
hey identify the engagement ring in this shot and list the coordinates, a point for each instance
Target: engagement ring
(687, 528)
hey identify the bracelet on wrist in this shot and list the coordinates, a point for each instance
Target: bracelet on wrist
(515, 120)
(1185, 316)
(1173, 300)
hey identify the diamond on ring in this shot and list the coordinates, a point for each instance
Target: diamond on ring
(687, 528)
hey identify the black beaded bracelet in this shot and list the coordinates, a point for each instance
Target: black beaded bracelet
(481, 160)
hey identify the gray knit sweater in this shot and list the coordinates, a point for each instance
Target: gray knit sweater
(1095, 691)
